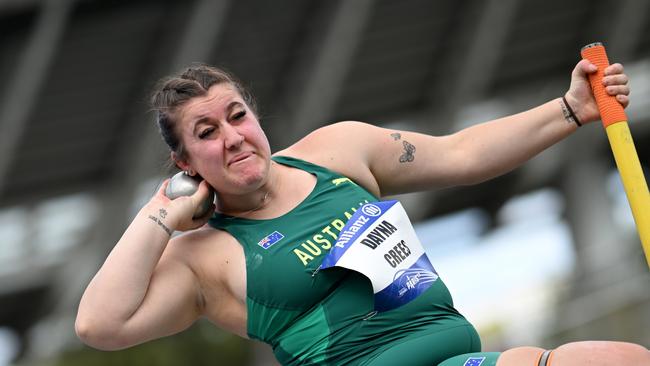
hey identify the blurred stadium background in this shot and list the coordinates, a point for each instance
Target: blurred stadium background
(544, 255)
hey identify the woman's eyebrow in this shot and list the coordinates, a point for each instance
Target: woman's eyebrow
(205, 119)
(232, 105)
(197, 122)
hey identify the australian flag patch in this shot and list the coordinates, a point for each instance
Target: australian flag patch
(270, 239)
(474, 361)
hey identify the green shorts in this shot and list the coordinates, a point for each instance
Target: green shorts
(451, 347)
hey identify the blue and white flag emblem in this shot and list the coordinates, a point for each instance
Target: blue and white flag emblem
(474, 361)
(270, 239)
(379, 242)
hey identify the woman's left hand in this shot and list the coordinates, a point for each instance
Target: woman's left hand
(580, 96)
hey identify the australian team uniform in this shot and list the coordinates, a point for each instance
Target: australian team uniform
(327, 317)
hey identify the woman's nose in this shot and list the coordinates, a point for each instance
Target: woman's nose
(232, 138)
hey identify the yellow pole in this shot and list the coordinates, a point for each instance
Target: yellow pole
(620, 140)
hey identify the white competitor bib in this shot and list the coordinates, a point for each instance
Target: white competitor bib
(379, 242)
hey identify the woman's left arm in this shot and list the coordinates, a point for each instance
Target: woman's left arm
(404, 162)
(389, 162)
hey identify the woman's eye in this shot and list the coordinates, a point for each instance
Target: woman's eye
(205, 133)
(239, 115)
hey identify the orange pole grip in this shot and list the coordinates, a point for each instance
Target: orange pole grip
(610, 109)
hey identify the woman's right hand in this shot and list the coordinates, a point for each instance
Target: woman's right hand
(178, 213)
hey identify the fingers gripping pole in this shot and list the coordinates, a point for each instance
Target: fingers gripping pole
(611, 110)
(620, 140)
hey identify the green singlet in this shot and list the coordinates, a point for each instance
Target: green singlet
(326, 317)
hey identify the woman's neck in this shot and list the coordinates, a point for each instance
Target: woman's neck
(256, 201)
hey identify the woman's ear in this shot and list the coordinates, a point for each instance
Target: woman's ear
(180, 163)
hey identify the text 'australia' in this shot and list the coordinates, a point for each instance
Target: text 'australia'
(320, 242)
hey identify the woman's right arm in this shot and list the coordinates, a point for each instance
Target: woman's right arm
(145, 289)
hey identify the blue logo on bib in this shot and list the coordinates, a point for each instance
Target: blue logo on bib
(371, 210)
(270, 239)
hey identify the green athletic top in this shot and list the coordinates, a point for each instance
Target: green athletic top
(326, 317)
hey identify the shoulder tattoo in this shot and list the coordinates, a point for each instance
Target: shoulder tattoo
(409, 149)
(409, 153)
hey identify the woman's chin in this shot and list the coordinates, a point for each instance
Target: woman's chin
(246, 183)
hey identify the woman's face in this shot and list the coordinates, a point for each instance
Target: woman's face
(223, 141)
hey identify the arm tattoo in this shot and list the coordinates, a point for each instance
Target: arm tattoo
(160, 223)
(396, 136)
(163, 213)
(409, 153)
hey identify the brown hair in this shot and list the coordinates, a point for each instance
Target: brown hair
(174, 91)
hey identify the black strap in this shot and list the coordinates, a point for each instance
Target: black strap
(544, 359)
(571, 114)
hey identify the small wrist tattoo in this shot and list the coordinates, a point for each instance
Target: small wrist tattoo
(396, 136)
(568, 113)
(160, 223)
(163, 213)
